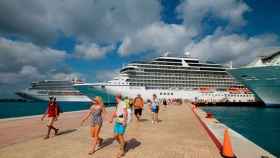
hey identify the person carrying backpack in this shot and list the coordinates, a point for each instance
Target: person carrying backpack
(52, 112)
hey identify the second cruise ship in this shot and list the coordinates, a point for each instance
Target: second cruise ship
(62, 90)
(262, 77)
(172, 78)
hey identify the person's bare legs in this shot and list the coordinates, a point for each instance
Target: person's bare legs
(50, 126)
(92, 133)
(95, 137)
(156, 115)
(99, 140)
(48, 132)
(116, 136)
(55, 129)
(137, 116)
(122, 145)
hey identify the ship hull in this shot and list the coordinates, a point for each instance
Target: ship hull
(107, 92)
(263, 81)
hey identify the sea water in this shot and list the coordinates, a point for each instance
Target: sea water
(20, 109)
(259, 124)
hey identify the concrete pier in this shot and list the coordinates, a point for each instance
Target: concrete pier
(183, 132)
(178, 135)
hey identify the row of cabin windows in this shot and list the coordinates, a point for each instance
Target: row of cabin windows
(163, 69)
(180, 81)
(179, 78)
(180, 75)
(177, 66)
(186, 74)
(186, 82)
(172, 79)
(176, 60)
(166, 93)
(229, 95)
(185, 85)
(159, 63)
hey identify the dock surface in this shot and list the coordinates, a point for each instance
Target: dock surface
(178, 135)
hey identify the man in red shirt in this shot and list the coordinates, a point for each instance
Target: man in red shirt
(52, 112)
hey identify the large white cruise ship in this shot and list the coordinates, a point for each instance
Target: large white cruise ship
(62, 90)
(172, 78)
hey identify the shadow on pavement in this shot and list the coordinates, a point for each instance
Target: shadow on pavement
(66, 131)
(143, 120)
(106, 142)
(132, 144)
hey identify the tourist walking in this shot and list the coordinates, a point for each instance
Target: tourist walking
(155, 109)
(130, 111)
(95, 112)
(120, 115)
(164, 102)
(52, 112)
(138, 106)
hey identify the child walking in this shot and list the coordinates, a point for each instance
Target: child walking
(155, 109)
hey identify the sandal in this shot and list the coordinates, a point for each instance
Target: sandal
(91, 152)
(56, 132)
(124, 146)
(120, 155)
(100, 142)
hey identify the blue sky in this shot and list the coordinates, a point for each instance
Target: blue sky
(92, 39)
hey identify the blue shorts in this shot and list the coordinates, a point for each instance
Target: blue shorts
(155, 110)
(119, 128)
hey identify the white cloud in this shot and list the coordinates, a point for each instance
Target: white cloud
(102, 20)
(158, 37)
(29, 71)
(14, 55)
(26, 20)
(92, 50)
(240, 49)
(98, 21)
(22, 62)
(193, 12)
(26, 72)
(66, 76)
(106, 74)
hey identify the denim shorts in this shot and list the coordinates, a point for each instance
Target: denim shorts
(155, 110)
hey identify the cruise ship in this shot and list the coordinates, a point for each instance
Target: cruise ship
(172, 78)
(62, 90)
(262, 77)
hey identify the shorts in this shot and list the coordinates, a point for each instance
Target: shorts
(93, 124)
(138, 112)
(155, 110)
(119, 128)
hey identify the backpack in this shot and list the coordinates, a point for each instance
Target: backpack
(59, 110)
